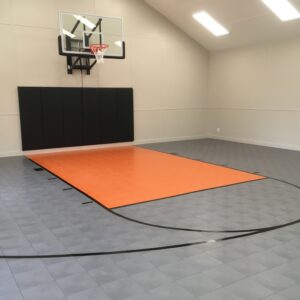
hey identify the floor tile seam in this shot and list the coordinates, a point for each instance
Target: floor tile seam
(39, 260)
(248, 256)
(48, 229)
(157, 270)
(281, 291)
(35, 250)
(250, 276)
(16, 282)
(56, 279)
(206, 293)
(25, 236)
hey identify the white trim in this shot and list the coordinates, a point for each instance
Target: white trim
(80, 148)
(12, 153)
(170, 139)
(170, 109)
(137, 142)
(255, 142)
(157, 140)
(254, 109)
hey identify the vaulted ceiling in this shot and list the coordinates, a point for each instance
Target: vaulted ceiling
(249, 21)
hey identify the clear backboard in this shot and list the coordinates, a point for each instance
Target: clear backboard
(79, 31)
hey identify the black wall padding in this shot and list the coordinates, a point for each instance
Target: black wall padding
(63, 117)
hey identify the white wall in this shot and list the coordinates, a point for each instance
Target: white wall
(167, 70)
(254, 94)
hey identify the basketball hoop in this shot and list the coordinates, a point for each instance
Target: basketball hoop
(99, 50)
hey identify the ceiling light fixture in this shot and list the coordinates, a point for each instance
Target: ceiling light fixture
(283, 9)
(210, 23)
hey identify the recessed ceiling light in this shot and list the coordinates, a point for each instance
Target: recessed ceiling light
(210, 23)
(85, 21)
(283, 9)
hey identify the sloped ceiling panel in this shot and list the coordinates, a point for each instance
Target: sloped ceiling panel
(249, 21)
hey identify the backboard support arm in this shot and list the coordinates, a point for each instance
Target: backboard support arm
(83, 62)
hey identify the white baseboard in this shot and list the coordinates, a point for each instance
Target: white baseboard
(255, 142)
(10, 154)
(137, 142)
(79, 148)
(169, 139)
(157, 140)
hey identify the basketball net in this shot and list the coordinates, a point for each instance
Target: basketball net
(99, 50)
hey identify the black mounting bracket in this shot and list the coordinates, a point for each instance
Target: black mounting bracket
(79, 63)
(83, 62)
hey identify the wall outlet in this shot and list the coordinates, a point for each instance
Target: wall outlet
(218, 130)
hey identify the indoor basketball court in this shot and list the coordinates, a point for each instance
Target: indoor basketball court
(150, 150)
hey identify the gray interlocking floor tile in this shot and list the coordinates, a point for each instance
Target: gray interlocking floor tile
(247, 266)
(141, 296)
(276, 297)
(161, 258)
(198, 284)
(47, 291)
(107, 273)
(4, 269)
(171, 292)
(76, 283)
(20, 266)
(65, 269)
(135, 265)
(291, 293)
(290, 270)
(32, 278)
(17, 296)
(249, 289)
(273, 280)
(225, 254)
(90, 294)
(223, 275)
(221, 294)
(202, 261)
(122, 289)
(269, 259)
(8, 287)
(38, 217)
(180, 270)
(151, 279)
(90, 263)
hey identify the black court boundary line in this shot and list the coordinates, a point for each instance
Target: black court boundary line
(88, 202)
(190, 193)
(125, 251)
(155, 248)
(220, 231)
(179, 228)
(150, 224)
(200, 160)
(203, 190)
(144, 249)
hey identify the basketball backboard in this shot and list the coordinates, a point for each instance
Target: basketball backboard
(79, 31)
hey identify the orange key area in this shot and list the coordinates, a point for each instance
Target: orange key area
(123, 176)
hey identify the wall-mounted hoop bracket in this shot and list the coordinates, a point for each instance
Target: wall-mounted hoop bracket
(85, 61)
(87, 39)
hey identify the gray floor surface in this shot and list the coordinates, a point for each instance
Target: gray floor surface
(37, 216)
